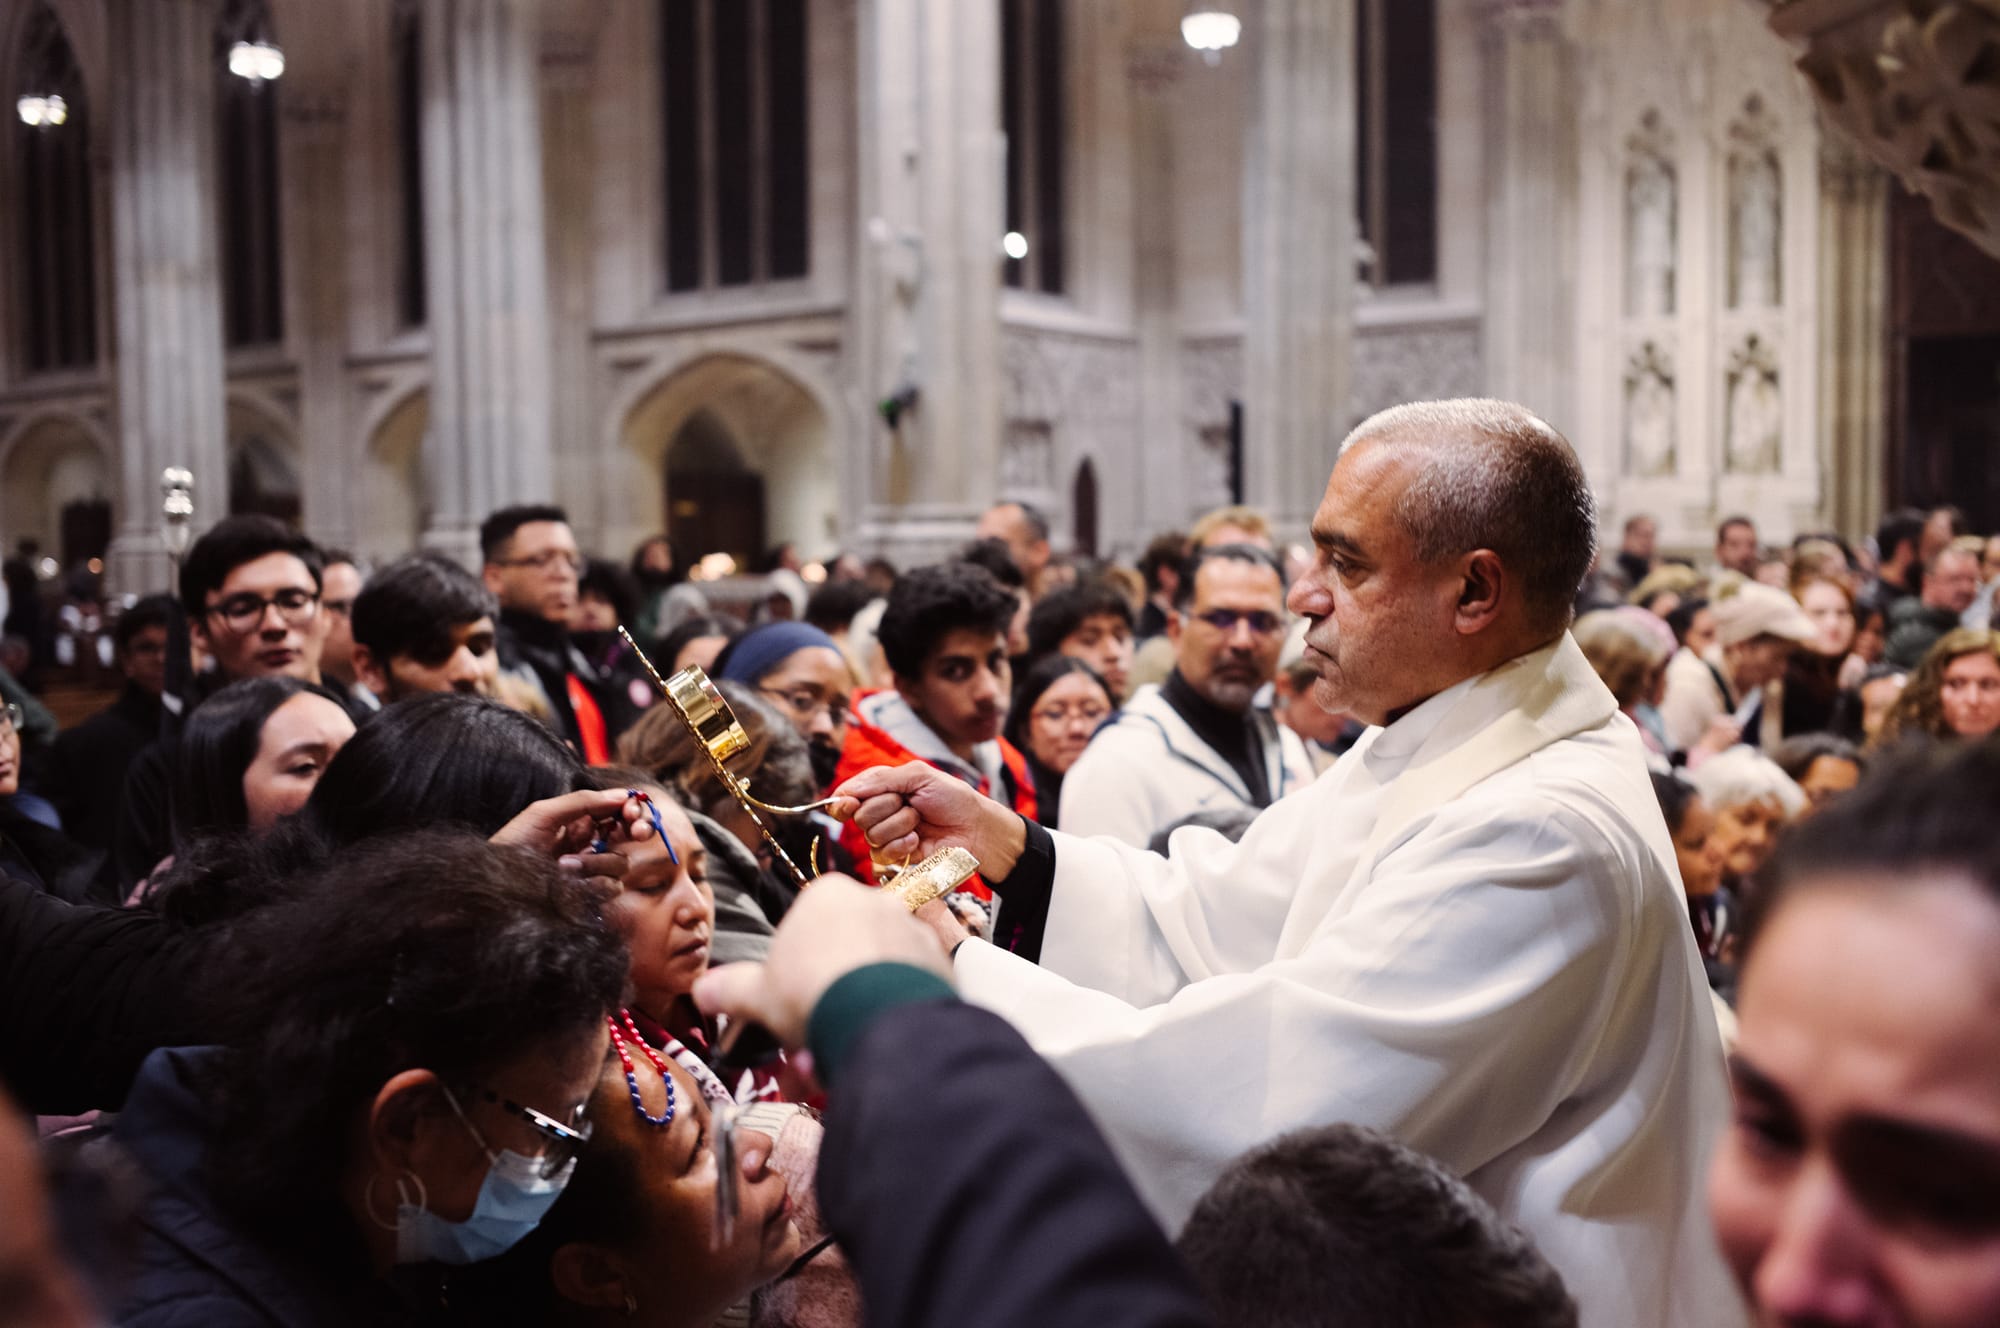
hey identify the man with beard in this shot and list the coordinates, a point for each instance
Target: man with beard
(424, 624)
(1195, 743)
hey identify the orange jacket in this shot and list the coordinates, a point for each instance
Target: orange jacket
(867, 747)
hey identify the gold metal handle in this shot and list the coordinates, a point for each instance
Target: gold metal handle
(716, 730)
(699, 705)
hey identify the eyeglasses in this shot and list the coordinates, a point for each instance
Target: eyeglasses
(544, 560)
(807, 706)
(563, 1141)
(243, 612)
(11, 718)
(1063, 714)
(1225, 620)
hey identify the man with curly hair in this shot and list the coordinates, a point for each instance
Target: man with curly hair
(944, 634)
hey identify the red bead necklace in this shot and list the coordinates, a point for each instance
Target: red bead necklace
(618, 1043)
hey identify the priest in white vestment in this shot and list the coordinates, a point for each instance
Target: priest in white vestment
(1469, 932)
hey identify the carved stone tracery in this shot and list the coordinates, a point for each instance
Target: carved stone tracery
(1917, 84)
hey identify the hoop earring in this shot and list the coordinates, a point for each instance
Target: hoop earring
(631, 1304)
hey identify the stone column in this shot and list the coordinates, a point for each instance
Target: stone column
(486, 266)
(1153, 72)
(313, 145)
(1530, 209)
(1298, 253)
(926, 307)
(569, 161)
(1853, 304)
(168, 301)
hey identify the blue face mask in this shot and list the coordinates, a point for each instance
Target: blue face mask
(513, 1199)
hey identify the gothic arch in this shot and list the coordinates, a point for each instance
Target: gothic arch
(49, 459)
(777, 423)
(393, 503)
(86, 26)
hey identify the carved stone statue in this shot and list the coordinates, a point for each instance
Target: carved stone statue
(1755, 442)
(1754, 217)
(1649, 414)
(1651, 195)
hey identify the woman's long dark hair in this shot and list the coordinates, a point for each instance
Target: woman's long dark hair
(444, 759)
(216, 747)
(428, 948)
(1043, 674)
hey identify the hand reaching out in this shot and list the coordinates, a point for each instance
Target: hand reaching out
(569, 827)
(913, 810)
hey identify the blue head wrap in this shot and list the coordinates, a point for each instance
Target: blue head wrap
(764, 648)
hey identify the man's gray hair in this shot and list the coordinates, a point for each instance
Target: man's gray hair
(1495, 476)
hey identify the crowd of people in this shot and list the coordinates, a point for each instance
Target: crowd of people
(1381, 929)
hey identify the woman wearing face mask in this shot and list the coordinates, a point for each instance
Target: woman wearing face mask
(412, 1042)
(634, 1238)
(800, 670)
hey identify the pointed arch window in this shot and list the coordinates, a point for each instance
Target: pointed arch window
(407, 59)
(246, 172)
(54, 211)
(1396, 133)
(1032, 73)
(733, 104)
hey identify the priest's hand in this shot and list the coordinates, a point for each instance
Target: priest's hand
(835, 927)
(913, 810)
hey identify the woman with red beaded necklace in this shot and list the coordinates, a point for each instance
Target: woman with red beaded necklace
(667, 913)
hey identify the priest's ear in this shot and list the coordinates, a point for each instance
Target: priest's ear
(1482, 585)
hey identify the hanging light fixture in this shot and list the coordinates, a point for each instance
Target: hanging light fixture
(1210, 28)
(259, 61)
(42, 112)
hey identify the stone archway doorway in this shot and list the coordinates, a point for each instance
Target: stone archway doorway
(744, 456)
(715, 502)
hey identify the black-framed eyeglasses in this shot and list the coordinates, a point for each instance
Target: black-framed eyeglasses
(807, 705)
(544, 560)
(11, 718)
(1225, 620)
(242, 612)
(565, 1140)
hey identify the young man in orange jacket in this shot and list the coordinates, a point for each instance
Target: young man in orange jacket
(944, 633)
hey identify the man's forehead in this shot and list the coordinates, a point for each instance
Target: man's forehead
(1233, 579)
(271, 571)
(1361, 495)
(1099, 622)
(533, 534)
(967, 643)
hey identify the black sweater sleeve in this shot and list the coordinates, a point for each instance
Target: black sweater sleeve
(85, 995)
(969, 1188)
